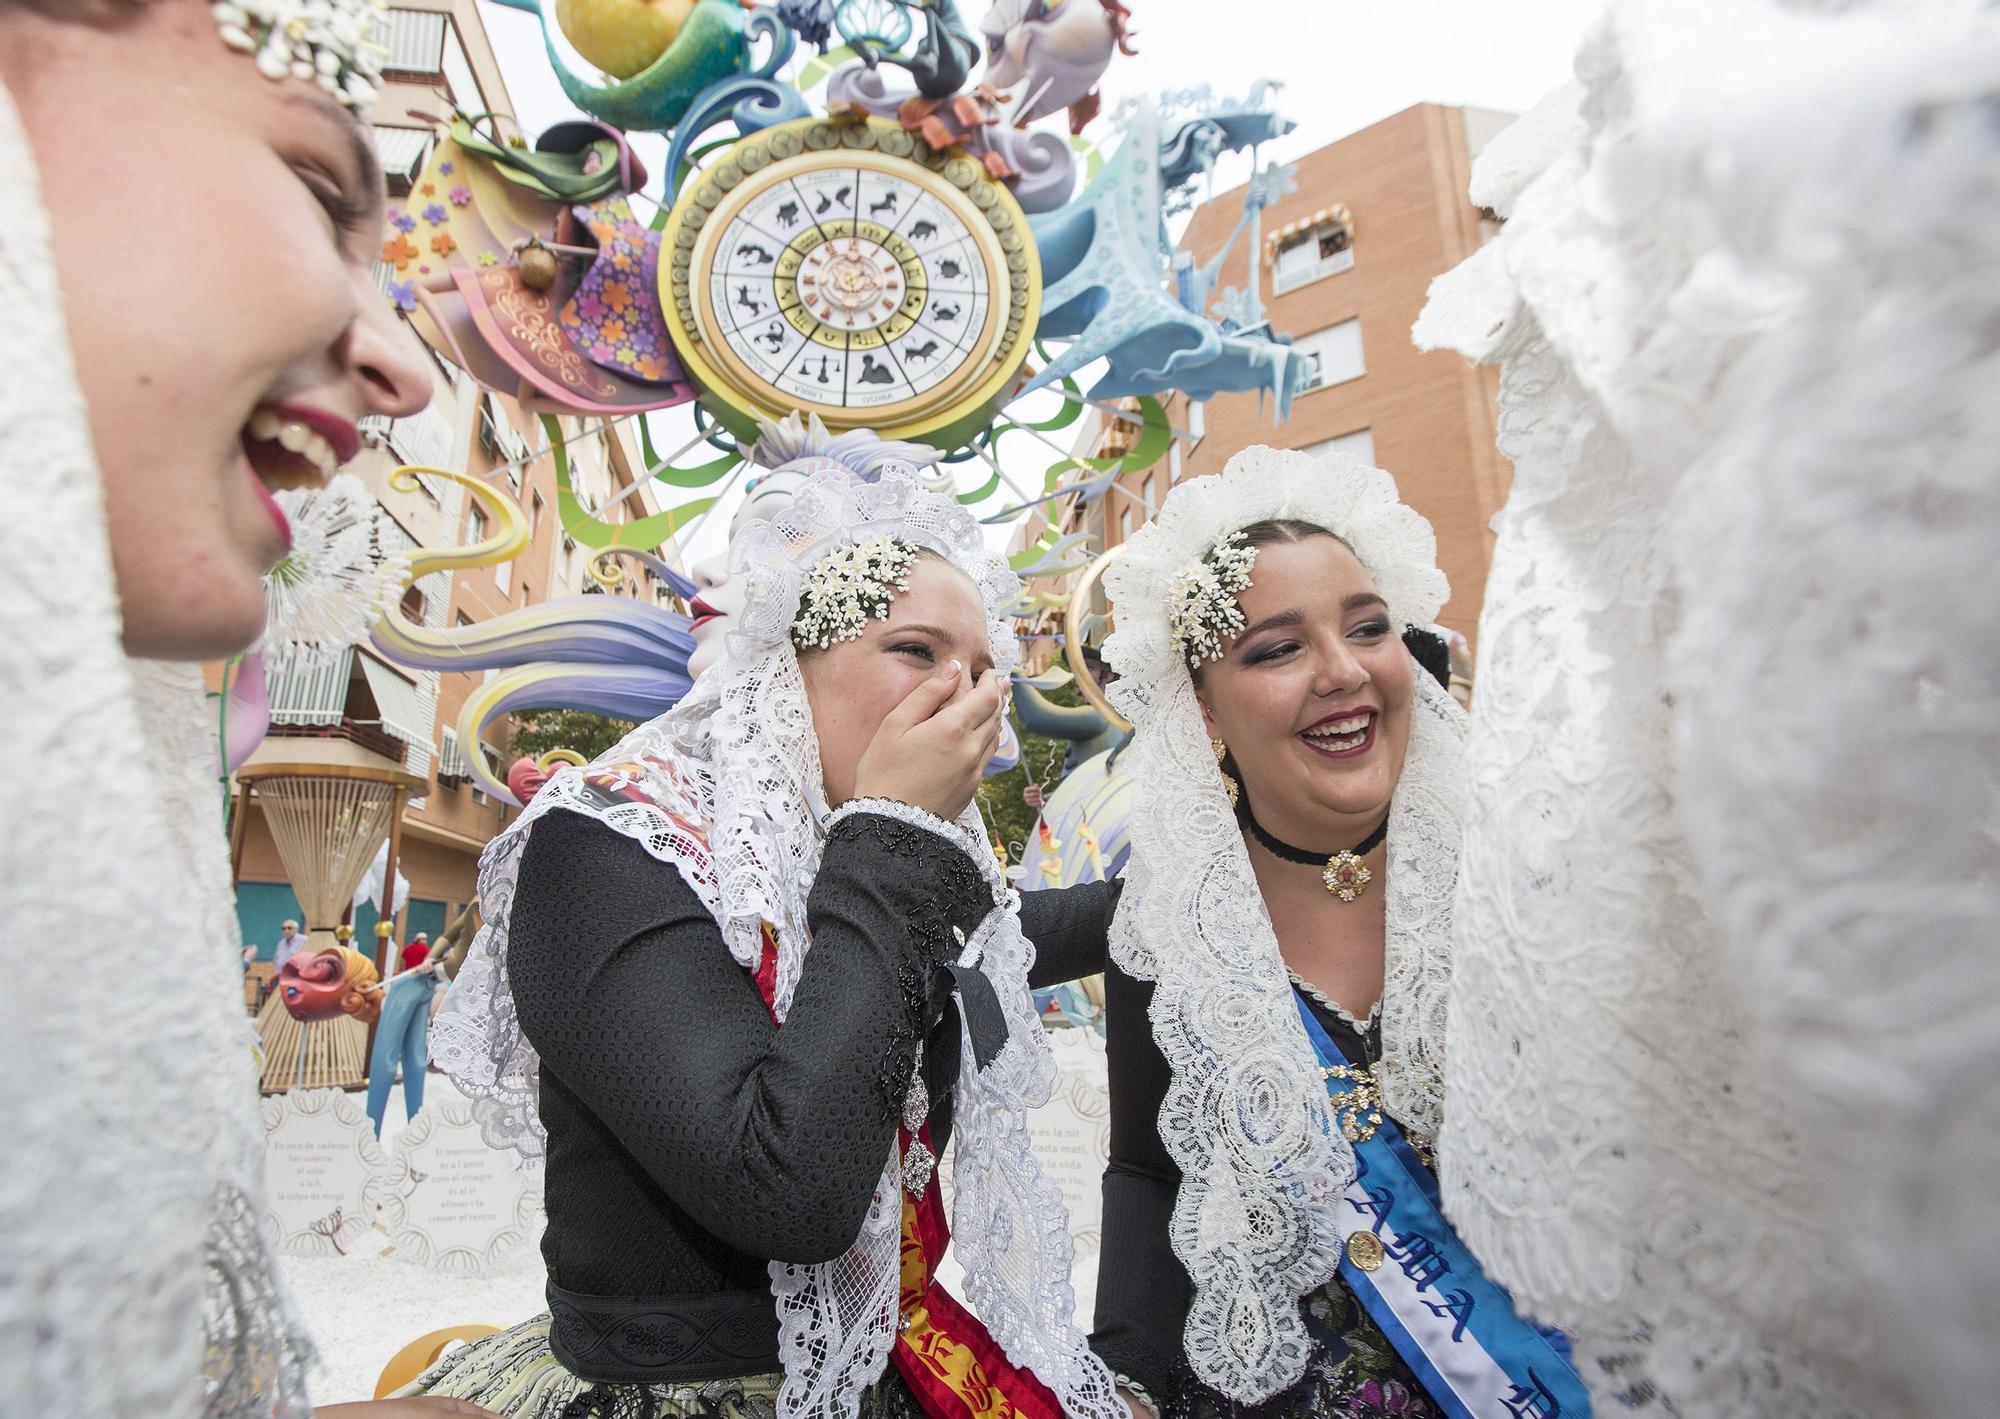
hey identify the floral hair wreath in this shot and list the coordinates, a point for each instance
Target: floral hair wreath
(330, 43)
(846, 587)
(1175, 587)
(1202, 608)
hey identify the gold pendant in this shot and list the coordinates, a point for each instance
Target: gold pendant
(1346, 876)
(1364, 1249)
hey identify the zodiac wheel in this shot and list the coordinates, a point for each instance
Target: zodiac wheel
(843, 268)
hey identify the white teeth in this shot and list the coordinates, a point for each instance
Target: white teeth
(1356, 724)
(295, 436)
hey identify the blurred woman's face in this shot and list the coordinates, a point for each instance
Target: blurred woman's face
(214, 233)
(1313, 698)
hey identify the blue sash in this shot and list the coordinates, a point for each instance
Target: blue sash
(1454, 1328)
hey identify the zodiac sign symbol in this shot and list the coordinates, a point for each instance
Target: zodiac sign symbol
(921, 352)
(887, 204)
(949, 271)
(805, 368)
(942, 312)
(748, 301)
(773, 337)
(924, 230)
(753, 253)
(789, 214)
(826, 203)
(872, 373)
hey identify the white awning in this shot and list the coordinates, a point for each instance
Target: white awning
(401, 707)
(401, 150)
(1336, 215)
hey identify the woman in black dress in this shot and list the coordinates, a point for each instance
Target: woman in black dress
(1280, 956)
(741, 1135)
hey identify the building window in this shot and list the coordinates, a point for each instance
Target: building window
(503, 576)
(1125, 523)
(1320, 247)
(1197, 421)
(1359, 444)
(1174, 468)
(1334, 353)
(413, 605)
(535, 515)
(475, 524)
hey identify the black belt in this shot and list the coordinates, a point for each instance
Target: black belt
(664, 1339)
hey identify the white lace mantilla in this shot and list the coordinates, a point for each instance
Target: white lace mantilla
(132, 1192)
(1724, 1075)
(726, 787)
(1245, 1116)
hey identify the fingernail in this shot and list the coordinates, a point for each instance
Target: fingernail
(952, 669)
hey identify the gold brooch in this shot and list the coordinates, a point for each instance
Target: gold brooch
(1359, 1110)
(1346, 876)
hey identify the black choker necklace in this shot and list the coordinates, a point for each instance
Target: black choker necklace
(1345, 875)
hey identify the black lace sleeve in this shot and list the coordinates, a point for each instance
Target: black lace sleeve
(771, 1139)
(1069, 926)
(1143, 1291)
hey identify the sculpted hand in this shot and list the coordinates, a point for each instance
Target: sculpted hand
(931, 749)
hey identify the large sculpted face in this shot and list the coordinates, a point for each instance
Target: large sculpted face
(213, 234)
(719, 596)
(318, 985)
(1313, 698)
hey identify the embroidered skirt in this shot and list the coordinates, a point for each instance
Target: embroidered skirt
(515, 1373)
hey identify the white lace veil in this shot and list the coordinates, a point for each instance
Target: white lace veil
(1246, 1116)
(135, 1272)
(736, 805)
(1724, 1075)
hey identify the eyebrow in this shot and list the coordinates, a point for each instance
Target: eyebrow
(359, 147)
(936, 633)
(1295, 617)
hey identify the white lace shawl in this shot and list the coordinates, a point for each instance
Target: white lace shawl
(1724, 1076)
(1246, 1116)
(732, 777)
(135, 1277)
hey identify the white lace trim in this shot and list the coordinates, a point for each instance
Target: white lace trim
(1334, 1007)
(1745, 337)
(734, 801)
(126, 1222)
(1245, 1116)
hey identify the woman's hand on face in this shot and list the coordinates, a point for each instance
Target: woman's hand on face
(932, 748)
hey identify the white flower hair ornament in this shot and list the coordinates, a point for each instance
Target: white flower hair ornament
(330, 43)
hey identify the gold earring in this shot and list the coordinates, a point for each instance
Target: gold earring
(1228, 783)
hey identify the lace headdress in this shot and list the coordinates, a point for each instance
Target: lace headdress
(729, 792)
(1246, 1115)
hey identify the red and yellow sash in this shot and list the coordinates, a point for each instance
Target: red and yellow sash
(953, 1366)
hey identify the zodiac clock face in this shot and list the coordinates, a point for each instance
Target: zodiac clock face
(845, 270)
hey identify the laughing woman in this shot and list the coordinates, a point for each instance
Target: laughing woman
(1272, 1244)
(741, 980)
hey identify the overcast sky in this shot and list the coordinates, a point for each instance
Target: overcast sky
(1343, 67)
